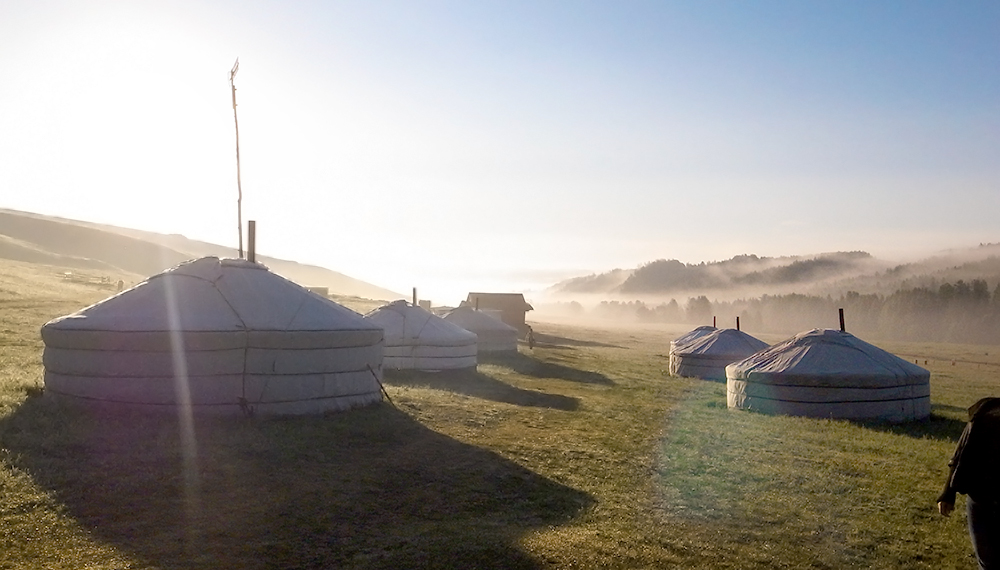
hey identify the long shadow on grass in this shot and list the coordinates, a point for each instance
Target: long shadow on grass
(369, 488)
(553, 341)
(935, 427)
(479, 385)
(530, 366)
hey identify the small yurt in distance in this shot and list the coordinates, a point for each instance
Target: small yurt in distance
(707, 356)
(827, 373)
(416, 339)
(684, 339)
(493, 335)
(227, 336)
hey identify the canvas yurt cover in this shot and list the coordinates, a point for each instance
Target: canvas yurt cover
(228, 335)
(493, 334)
(415, 339)
(684, 339)
(828, 373)
(708, 355)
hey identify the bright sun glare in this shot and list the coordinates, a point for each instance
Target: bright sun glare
(470, 150)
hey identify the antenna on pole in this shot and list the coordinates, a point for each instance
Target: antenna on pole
(239, 187)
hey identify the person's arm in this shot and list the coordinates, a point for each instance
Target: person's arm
(946, 501)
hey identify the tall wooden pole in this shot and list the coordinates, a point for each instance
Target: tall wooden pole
(239, 186)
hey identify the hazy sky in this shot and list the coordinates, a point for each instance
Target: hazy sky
(487, 145)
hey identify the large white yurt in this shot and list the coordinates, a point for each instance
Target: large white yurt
(416, 339)
(684, 339)
(827, 373)
(227, 335)
(708, 355)
(493, 334)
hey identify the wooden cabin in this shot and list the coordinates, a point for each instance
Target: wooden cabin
(512, 306)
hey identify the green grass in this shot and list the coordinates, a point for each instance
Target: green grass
(823, 493)
(579, 454)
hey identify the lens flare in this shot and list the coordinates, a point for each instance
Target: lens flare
(182, 391)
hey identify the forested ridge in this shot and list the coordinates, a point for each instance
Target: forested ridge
(962, 312)
(670, 275)
(751, 275)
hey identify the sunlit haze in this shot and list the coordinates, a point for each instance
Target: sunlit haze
(456, 146)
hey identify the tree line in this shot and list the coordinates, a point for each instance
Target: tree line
(961, 312)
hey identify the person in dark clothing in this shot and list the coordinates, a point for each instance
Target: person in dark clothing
(975, 472)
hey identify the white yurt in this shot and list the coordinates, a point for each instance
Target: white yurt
(708, 355)
(827, 373)
(415, 339)
(684, 339)
(227, 335)
(493, 334)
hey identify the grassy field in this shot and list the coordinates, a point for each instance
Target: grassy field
(581, 453)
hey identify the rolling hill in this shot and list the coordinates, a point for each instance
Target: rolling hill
(105, 249)
(821, 274)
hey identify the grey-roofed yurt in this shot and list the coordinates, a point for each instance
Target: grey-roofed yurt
(684, 339)
(707, 356)
(493, 334)
(416, 339)
(241, 336)
(827, 373)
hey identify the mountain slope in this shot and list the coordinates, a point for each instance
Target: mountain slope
(826, 273)
(68, 243)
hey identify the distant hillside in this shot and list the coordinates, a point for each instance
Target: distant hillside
(35, 238)
(603, 282)
(825, 273)
(982, 262)
(665, 276)
(19, 250)
(811, 270)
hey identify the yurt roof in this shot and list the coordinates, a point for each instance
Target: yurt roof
(693, 334)
(473, 320)
(406, 323)
(212, 294)
(826, 353)
(722, 342)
